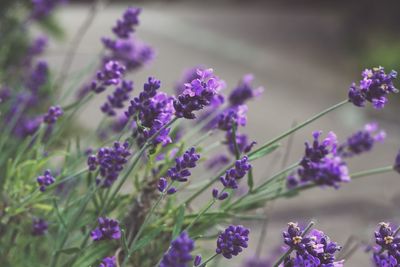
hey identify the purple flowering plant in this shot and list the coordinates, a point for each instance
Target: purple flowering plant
(128, 193)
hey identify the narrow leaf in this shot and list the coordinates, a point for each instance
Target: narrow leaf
(147, 239)
(250, 180)
(263, 151)
(179, 222)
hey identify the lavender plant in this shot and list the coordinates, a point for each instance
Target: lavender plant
(122, 195)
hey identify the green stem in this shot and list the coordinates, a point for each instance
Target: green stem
(371, 172)
(301, 125)
(209, 205)
(207, 260)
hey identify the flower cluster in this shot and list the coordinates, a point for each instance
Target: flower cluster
(233, 117)
(321, 164)
(108, 229)
(111, 74)
(232, 241)
(396, 166)
(387, 253)
(198, 94)
(233, 175)
(179, 253)
(374, 87)
(311, 249)
(180, 172)
(45, 180)
(151, 110)
(110, 161)
(244, 91)
(38, 77)
(117, 99)
(36, 48)
(125, 26)
(53, 114)
(131, 52)
(108, 262)
(42, 8)
(362, 141)
(39, 227)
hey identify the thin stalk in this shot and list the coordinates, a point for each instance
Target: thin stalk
(235, 144)
(301, 125)
(209, 205)
(207, 260)
(371, 172)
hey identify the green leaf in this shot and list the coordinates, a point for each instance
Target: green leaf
(147, 239)
(263, 151)
(69, 251)
(124, 242)
(179, 222)
(250, 180)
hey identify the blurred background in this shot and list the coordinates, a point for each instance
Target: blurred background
(305, 54)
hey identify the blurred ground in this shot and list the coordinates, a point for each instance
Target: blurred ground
(297, 55)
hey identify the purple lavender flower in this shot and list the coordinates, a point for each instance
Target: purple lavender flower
(108, 229)
(396, 166)
(38, 77)
(108, 262)
(321, 164)
(130, 52)
(217, 161)
(117, 99)
(110, 161)
(45, 180)
(36, 48)
(374, 88)
(180, 172)
(151, 110)
(362, 141)
(233, 175)
(242, 142)
(39, 227)
(125, 26)
(235, 115)
(42, 8)
(198, 94)
(387, 251)
(53, 114)
(244, 91)
(310, 249)
(232, 241)
(187, 76)
(197, 260)
(111, 74)
(179, 253)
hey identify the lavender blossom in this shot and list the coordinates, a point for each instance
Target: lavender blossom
(38, 77)
(108, 262)
(125, 26)
(232, 241)
(387, 251)
(321, 164)
(198, 94)
(151, 111)
(53, 114)
(111, 74)
(396, 166)
(110, 161)
(374, 87)
(45, 180)
(108, 229)
(242, 142)
(42, 8)
(362, 141)
(117, 99)
(130, 52)
(180, 172)
(39, 227)
(217, 161)
(235, 115)
(179, 253)
(36, 48)
(244, 91)
(233, 175)
(310, 249)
